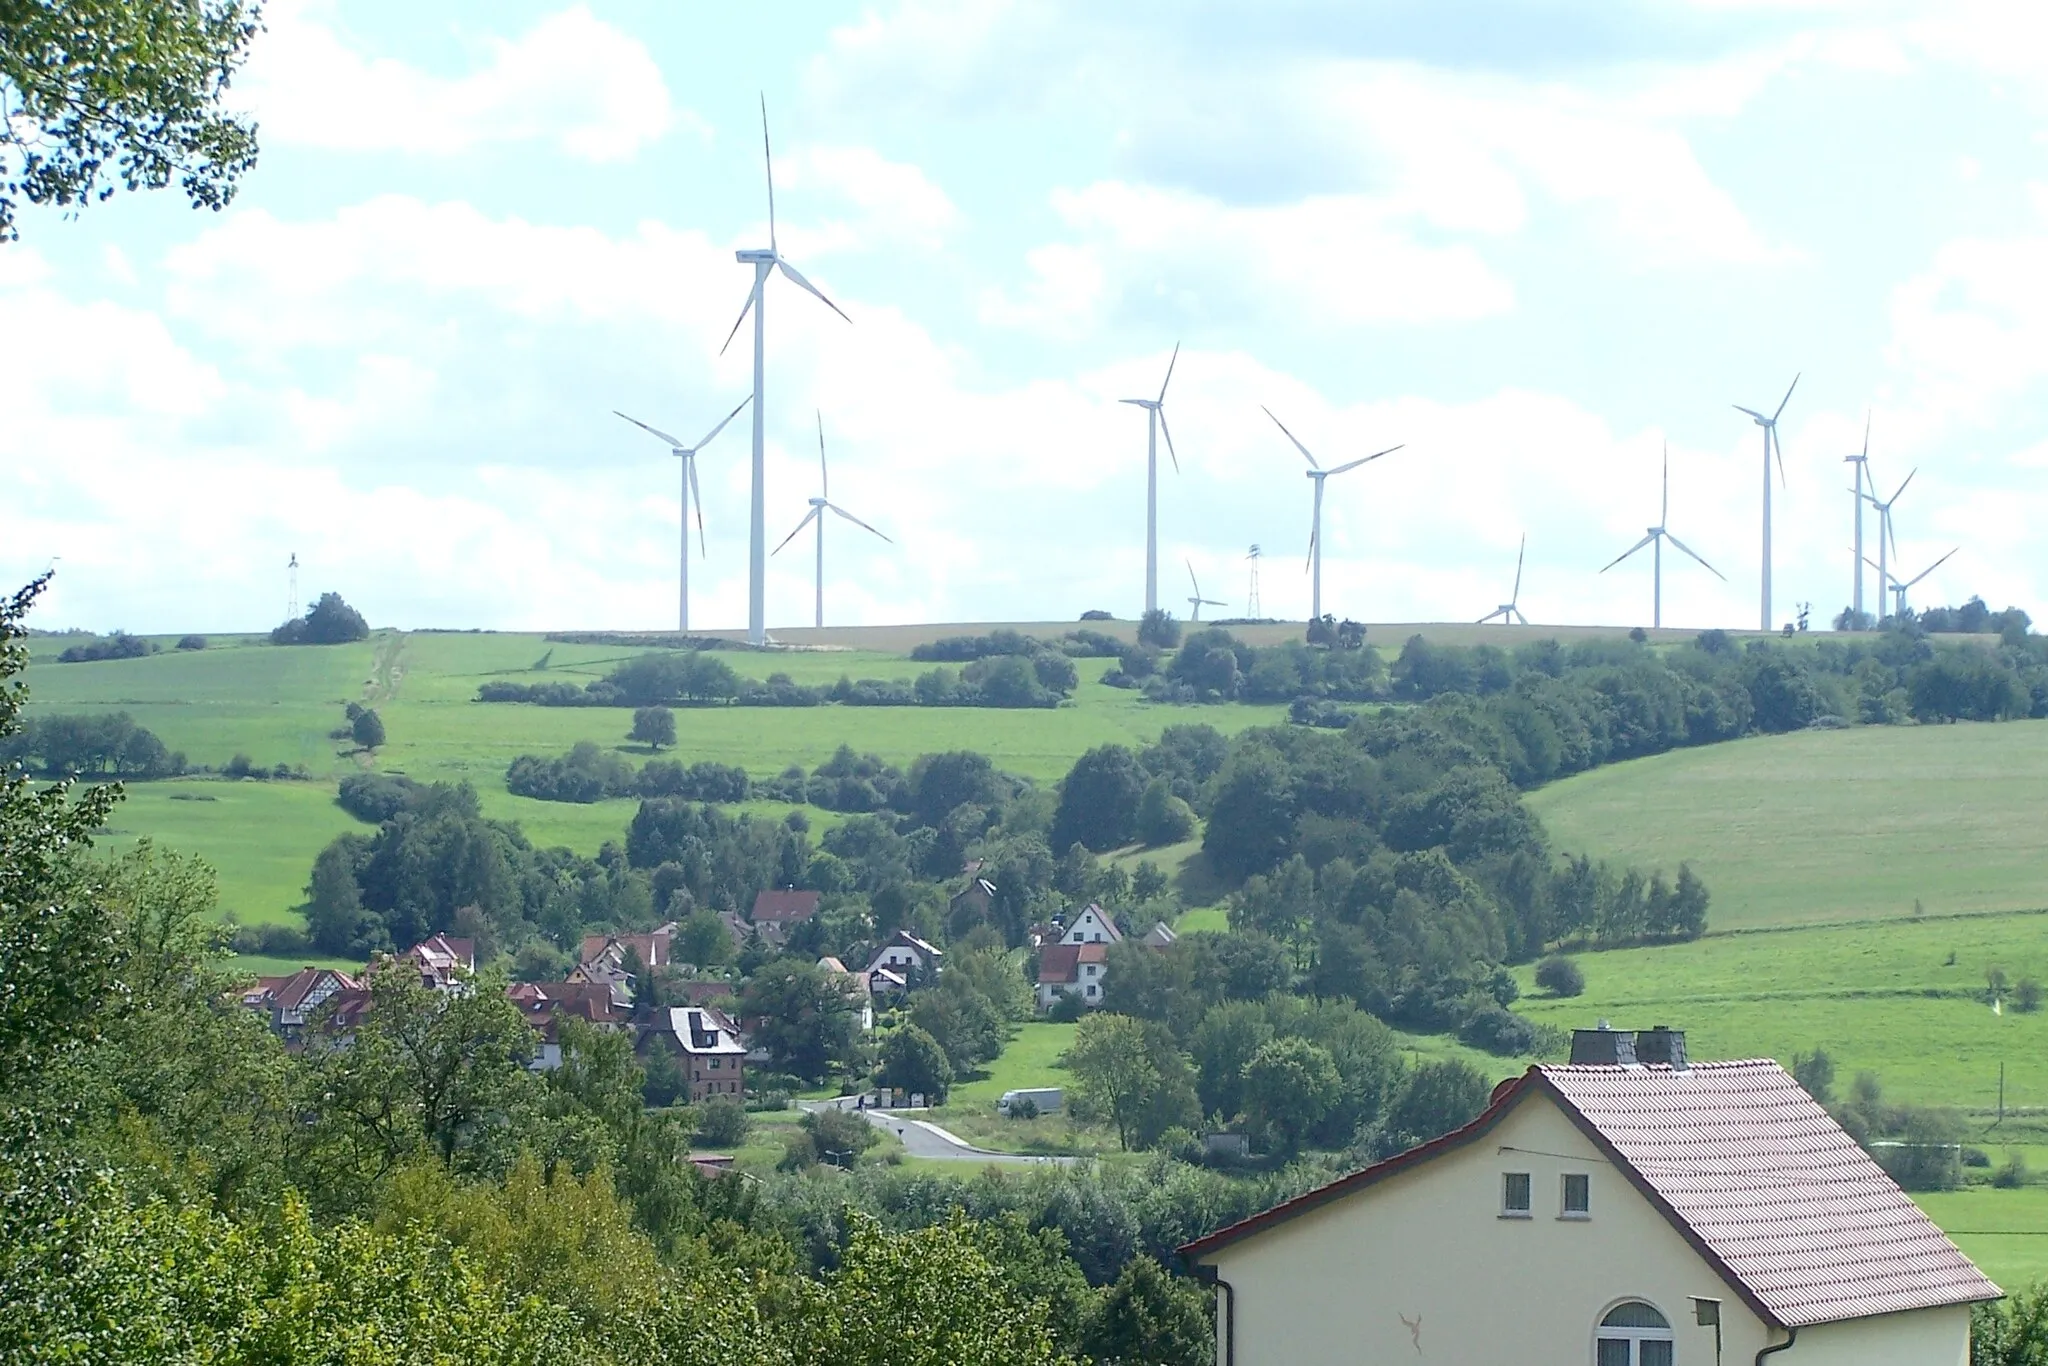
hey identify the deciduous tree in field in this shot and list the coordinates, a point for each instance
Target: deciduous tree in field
(368, 730)
(653, 727)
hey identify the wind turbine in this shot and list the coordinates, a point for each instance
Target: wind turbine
(1655, 538)
(1510, 612)
(819, 507)
(1770, 426)
(1251, 606)
(688, 455)
(1899, 588)
(1198, 602)
(1887, 539)
(1862, 464)
(1155, 423)
(1317, 474)
(765, 262)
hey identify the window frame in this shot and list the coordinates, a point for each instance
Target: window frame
(1564, 1197)
(1526, 1210)
(1634, 1337)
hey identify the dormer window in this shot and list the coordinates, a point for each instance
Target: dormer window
(1514, 1195)
(1578, 1196)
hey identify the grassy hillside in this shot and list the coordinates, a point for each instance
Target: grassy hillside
(1830, 825)
(278, 705)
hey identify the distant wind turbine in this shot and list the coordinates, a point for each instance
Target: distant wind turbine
(821, 505)
(1899, 587)
(765, 262)
(1862, 464)
(1771, 442)
(688, 455)
(1155, 423)
(1197, 602)
(1317, 475)
(1655, 538)
(1510, 611)
(1887, 539)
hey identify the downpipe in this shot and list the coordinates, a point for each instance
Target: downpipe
(1791, 1336)
(1208, 1275)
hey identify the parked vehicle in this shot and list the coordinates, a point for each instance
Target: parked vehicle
(1044, 1099)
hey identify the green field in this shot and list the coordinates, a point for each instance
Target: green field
(279, 705)
(1829, 825)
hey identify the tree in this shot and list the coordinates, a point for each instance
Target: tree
(1816, 1072)
(1099, 800)
(1150, 1317)
(806, 1021)
(1289, 1086)
(1115, 1072)
(913, 1062)
(329, 621)
(1251, 823)
(368, 730)
(121, 93)
(653, 727)
(1163, 818)
(1437, 1098)
(1158, 629)
(1689, 904)
(1560, 976)
(722, 1123)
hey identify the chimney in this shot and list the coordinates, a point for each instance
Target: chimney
(1603, 1047)
(1661, 1045)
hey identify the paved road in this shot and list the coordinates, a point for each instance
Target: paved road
(922, 1138)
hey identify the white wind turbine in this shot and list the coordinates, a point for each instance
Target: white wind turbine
(1887, 539)
(1899, 587)
(1155, 423)
(1510, 611)
(1197, 602)
(765, 262)
(688, 455)
(1862, 463)
(1770, 426)
(1317, 475)
(821, 505)
(1655, 538)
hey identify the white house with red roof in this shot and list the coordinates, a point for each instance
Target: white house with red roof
(1091, 925)
(442, 960)
(1075, 965)
(1633, 1211)
(290, 1001)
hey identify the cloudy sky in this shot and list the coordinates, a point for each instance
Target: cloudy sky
(1532, 240)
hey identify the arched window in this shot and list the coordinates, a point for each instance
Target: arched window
(1633, 1334)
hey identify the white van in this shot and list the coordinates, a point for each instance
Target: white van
(1046, 1099)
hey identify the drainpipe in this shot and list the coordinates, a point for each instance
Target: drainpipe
(1208, 1275)
(1791, 1336)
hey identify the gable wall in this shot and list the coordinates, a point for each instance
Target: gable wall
(1925, 1337)
(1332, 1286)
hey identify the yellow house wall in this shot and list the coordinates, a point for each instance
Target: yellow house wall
(1429, 1245)
(1926, 1337)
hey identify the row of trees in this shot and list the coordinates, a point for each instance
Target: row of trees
(701, 677)
(104, 744)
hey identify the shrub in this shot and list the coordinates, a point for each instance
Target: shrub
(368, 730)
(2012, 1175)
(2026, 997)
(722, 1122)
(191, 642)
(330, 621)
(378, 797)
(1560, 976)
(1068, 1009)
(1498, 1031)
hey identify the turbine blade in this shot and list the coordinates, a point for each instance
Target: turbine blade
(1626, 553)
(1167, 432)
(1192, 579)
(712, 435)
(1366, 460)
(1314, 532)
(1751, 411)
(1664, 514)
(1787, 399)
(697, 497)
(673, 443)
(855, 520)
(824, 476)
(768, 164)
(808, 517)
(1516, 596)
(1488, 617)
(796, 275)
(1290, 436)
(1902, 485)
(1866, 434)
(1689, 550)
(1929, 569)
(745, 308)
(1519, 617)
(1169, 372)
(1779, 447)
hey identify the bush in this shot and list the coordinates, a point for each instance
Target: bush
(1158, 629)
(2026, 997)
(1023, 1107)
(191, 642)
(838, 1135)
(722, 1123)
(1498, 1031)
(368, 730)
(1163, 818)
(330, 621)
(1560, 976)
(2012, 1175)
(1069, 1008)
(119, 645)
(378, 797)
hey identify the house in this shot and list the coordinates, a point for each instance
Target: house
(856, 988)
(900, 955)
(1091, 926)
(1160, 936)
(288, 1002)
(785, 908)
(442, 961)
(974, 899)
(544, 1004)
(1624, 1209)
(602, 955)
(704, 1043)
(1071, 970)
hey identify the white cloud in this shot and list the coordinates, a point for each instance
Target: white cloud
(895, 201)
(572, 79)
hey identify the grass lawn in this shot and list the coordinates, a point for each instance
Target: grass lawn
(1829, 825)
(2005, 1232)
(1030, 1061)
(1882, 998)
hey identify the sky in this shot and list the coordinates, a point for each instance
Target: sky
(1535, 243)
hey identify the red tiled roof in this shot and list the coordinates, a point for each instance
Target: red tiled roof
(786, 904)
(1062, 962)
(1758, 1178)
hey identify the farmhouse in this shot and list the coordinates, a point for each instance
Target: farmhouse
(1612, 1212)
(1074, 966)
(288, 1002)
(706, 1045)
(900, 955)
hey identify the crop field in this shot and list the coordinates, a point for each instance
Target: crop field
(1829, 825)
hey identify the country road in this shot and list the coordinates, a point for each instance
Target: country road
(922, 1138)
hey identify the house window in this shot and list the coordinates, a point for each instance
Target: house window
(1633, 1334)
(1514, 1195)
(1578, 1196)
(714, 1064)
(1091, 988)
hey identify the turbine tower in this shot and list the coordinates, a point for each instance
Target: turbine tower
(821, 505)
(1887, 539)
(1155, 423)
(1251, 606)
(1510, 611)
(765, 262)
(1317, 475)
(1770, 426)
(688, 455)
(291, 610)
(1197, 602)
(1862, 464)
(1899, 588)
(1655, 538)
